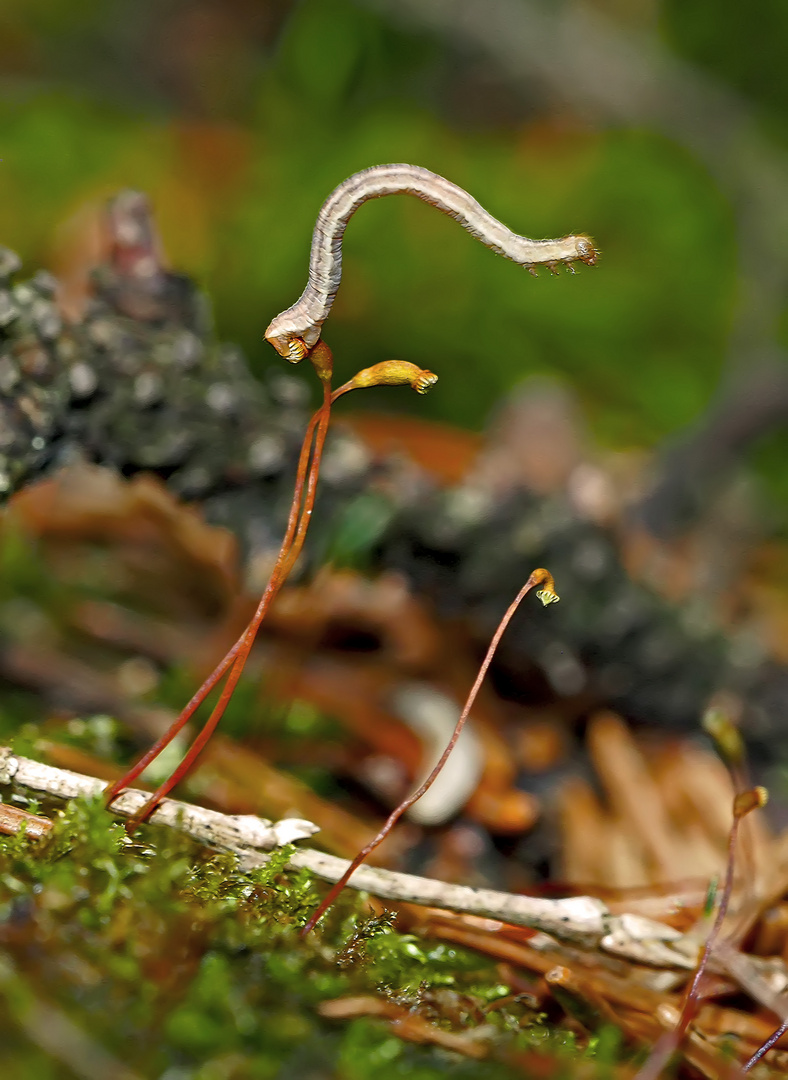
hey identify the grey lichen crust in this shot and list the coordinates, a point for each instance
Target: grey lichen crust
(153, 393)
(140, 383)
(33, 388)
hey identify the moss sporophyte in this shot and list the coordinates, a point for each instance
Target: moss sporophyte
(296, 335)
(190, 946)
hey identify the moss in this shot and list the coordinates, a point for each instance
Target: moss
(181, 965)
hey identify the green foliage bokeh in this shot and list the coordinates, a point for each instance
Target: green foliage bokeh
(237, 187)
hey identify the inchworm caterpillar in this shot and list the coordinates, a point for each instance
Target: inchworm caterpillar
(295, 331)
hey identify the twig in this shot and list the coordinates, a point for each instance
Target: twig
(581, 920)
(230, 832)
(12, 820)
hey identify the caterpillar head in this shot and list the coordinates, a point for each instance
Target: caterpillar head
(586, 251)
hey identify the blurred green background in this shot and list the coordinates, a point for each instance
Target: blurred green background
(658, 128)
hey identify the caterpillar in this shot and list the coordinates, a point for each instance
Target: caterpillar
(295, 331)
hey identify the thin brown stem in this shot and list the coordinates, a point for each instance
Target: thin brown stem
(743, 803)
(765, 1047)
(244, 644)
(174, 729)
(324, 416)
(235, 659)
(538, 577)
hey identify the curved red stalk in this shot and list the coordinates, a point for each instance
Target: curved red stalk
(759, 1053)
(235, 659)
(164, 741)
(668, 1043)
(538, 577)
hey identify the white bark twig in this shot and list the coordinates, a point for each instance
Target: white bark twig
(229, 832)
(581, 920)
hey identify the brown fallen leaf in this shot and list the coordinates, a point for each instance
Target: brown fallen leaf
(12, 820)
(407, 1024)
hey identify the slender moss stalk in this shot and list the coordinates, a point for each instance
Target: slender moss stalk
(389, 373)
(547, 595)
(235, 660)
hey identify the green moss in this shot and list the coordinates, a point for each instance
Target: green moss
(171, 958)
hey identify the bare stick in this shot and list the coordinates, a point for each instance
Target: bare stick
(548, 595)
(582, 920)
(229, 832)
(295, 331)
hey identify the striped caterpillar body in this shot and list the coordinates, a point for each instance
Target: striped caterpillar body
(294, 332)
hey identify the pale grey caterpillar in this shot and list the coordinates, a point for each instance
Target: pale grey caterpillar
(295, 331)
